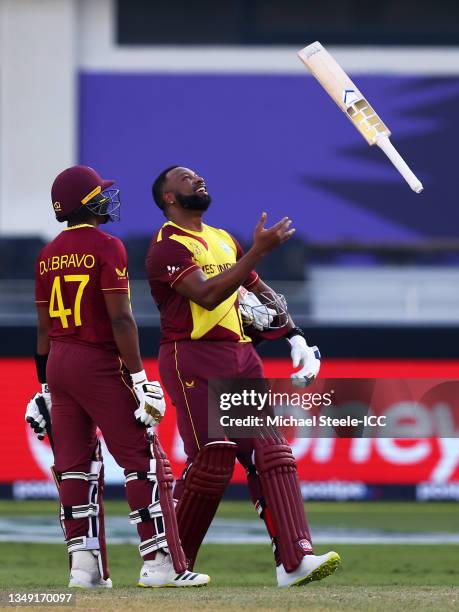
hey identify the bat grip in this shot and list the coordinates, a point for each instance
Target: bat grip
(42, 408)
(385, 145)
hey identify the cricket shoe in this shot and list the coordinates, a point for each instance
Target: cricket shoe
(160, 573)
(312, 567)
(85, 573)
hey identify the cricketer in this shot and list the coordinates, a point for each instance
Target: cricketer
(195, 272)
(88, 362)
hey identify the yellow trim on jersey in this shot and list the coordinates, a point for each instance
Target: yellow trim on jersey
(182, 273)
(66, 229)
(184, 229)
(121, 373)
(116, 289)
(206, 232)
(186, 399)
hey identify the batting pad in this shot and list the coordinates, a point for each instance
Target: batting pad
(276, 467)
(205, 482)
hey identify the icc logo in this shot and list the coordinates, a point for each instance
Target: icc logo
(196, 250)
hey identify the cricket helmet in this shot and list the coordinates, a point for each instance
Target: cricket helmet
(271, 310)
(79, 186)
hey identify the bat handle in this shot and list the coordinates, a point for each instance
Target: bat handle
(43, 409)
(385, 145)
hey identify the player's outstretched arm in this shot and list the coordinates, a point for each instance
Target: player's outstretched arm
(210, 292)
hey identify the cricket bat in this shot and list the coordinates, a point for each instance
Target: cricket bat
(43, 409)
(354, 105)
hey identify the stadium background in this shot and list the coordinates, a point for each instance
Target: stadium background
(372, 274)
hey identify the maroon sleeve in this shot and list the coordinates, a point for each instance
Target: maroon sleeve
(41, 289)
(169, 261)
(253, 277)
(113, 266)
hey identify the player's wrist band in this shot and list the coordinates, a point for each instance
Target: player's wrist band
(40, 365)
(138, 377)
(295, 331)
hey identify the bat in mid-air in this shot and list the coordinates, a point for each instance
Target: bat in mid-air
(352, 102)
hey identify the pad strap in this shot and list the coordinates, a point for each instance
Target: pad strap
(88, 476)
(150, 475)
(82, 543)
(79, 512)
(157, 542)
(153, 511)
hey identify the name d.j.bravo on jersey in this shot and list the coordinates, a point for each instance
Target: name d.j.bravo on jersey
(72, 274)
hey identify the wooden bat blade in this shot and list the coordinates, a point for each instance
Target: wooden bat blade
(343, 91)
(355, 106)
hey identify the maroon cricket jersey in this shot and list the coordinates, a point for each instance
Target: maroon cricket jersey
(72, 274)
(175, 253)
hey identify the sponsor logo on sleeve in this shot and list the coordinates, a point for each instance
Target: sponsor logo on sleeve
(121, 273)
(171, 270)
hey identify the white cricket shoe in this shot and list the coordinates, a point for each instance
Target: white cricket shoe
(85, 572)
(160, 573)
(313, 567)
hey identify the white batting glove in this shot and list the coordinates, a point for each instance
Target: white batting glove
(254, 312)
(308, 357)
(150, 396)
(33, 416)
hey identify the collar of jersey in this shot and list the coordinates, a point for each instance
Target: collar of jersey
(66, 229)
(184, 229)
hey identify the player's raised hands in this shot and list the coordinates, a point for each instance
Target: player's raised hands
(267, 239)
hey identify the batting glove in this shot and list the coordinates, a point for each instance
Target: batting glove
(33, 416)
(151, 400)
(308, 357)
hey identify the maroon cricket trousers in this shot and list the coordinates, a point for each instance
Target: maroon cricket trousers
(89, 389)
(185, 367)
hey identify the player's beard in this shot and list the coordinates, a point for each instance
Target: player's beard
(194, 202)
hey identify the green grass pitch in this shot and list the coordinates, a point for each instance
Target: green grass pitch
(372, 577)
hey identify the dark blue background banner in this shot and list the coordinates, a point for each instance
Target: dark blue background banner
(278, 143)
